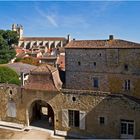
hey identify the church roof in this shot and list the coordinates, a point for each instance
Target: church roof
(42, 39)
(101, 44)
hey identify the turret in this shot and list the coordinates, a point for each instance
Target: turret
(13, 27)
(19, 29)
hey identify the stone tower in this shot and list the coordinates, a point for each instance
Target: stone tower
(19, 29)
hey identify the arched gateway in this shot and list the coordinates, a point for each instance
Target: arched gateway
(41, 114)
(43, 84)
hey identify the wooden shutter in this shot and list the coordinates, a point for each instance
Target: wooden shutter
(82, 119)
(65, 119)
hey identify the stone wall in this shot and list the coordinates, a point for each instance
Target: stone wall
(95, 105)
(111, 66)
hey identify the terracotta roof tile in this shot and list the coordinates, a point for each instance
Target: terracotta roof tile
(115, 43)
(44, 77)
(44, 68)
(42, 39)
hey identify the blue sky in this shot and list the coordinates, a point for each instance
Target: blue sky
(80, 19)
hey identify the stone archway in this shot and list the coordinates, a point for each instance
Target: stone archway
(41, 114)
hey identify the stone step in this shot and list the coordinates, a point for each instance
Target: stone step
(12, 126)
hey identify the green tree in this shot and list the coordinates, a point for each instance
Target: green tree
(7, 75)
(7, 41)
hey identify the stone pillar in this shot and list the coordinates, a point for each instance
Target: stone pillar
(56, 43)
(37, 43)
(19, 43)
(31, 44)
(50, 43)
(25, 44)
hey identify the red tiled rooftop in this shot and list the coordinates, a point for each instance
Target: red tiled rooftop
(115, 43)
(42, 39)
(41, 78)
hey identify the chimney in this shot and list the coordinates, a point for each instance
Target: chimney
(111, 37)
(68, 38)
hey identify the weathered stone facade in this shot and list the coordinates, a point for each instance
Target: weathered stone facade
(113, 108)
(111, 66)
(80, 109)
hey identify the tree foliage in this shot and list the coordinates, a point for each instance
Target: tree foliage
(7, 75)
(7, 41)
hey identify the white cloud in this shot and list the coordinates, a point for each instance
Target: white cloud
(49, 17)
(105, 6)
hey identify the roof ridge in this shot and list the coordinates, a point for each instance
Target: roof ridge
(137, 100)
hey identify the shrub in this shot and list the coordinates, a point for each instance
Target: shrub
(8, 75)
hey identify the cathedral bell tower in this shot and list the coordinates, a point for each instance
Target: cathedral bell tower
(19, 29)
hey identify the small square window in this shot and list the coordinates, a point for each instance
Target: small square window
(94, 63)
(102, 120)
(126, 67)
(79, 63)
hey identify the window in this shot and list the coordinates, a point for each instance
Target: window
(73, 118)
(126, 67)
(102, 120)
(127, 128)
(127, 85)
(73, 99)
(11, 92)
(79, 63)
(94, 63)
(95, 82)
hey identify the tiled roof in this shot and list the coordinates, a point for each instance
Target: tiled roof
(115, 43)
(21, 67)
(44, 77)
(19, 51)
(42, 39)
(44, 68)
(48, 86)
(48, 58)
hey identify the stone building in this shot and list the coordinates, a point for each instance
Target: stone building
(111, 65)
(100, 98)
(39, 42)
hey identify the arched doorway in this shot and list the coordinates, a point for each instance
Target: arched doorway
(41, 115)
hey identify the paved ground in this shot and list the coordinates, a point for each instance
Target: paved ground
(24, 135)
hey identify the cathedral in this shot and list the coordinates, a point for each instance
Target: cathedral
(39, 42)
